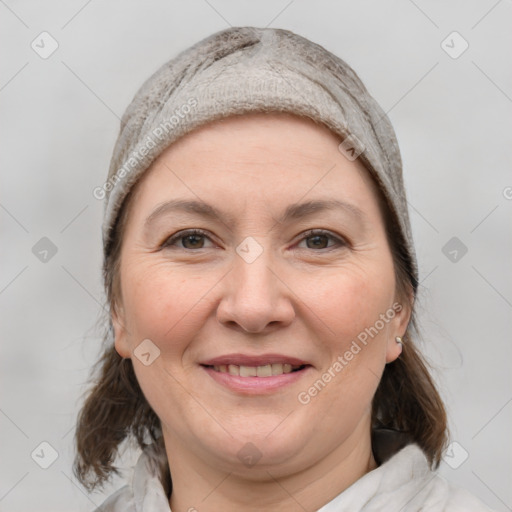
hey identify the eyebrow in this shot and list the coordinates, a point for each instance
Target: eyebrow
(294, 211)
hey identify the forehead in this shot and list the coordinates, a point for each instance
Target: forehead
(273, 157)
(260, 134)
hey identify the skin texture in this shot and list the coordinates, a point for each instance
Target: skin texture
(303, 297)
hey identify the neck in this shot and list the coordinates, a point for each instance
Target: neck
(198, 487)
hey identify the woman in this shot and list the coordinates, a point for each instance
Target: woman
(261, 277)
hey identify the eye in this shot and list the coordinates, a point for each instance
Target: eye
(195, 238)
(319, 238)
(190, 239)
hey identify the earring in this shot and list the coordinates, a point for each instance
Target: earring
(399, 340)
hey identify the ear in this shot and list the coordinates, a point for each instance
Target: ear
(120, 332)
(398, 326)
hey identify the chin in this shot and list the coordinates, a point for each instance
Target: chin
(274, 443)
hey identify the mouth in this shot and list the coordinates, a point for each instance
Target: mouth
(265, 370)
(255, 374)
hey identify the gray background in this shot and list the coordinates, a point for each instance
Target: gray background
(58, 125)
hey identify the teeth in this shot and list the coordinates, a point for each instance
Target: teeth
(248, 371)
(264, 371)
(277, 369)
(267, 370)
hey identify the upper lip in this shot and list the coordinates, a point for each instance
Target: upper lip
(248, 360)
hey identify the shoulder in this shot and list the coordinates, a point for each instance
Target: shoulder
(144, 493)
(444, 496)
(424, 489)
(120, 501)
(405, 482)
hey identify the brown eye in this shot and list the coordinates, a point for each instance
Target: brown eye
(319, 239)
(191, 239)
(317, 242)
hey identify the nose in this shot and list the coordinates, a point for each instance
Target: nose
(256, 298)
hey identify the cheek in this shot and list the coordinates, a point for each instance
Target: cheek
(344, 387)
(165, 305)
(350, 300)
(350, 304)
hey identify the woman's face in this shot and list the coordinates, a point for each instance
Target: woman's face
(258, 343)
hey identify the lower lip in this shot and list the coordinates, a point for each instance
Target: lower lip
(256, 385)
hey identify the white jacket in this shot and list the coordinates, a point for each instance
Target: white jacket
(404, 483)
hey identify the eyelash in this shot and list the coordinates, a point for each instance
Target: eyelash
(307, 234)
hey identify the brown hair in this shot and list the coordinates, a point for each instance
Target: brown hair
(116, 410)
